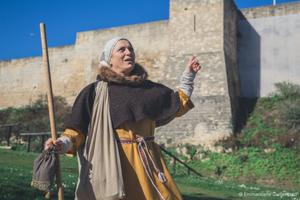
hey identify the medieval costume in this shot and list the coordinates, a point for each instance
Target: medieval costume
(112, 129)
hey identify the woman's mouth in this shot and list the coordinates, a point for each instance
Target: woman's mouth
(129, 60)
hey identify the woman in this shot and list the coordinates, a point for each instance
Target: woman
(112, 129)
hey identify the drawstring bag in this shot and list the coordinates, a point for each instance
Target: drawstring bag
(44, 169)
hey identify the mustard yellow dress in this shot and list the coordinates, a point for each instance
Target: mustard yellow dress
(141, 158)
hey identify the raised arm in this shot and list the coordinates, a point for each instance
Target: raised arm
(187, 85)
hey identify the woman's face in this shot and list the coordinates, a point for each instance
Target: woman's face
(122, 58)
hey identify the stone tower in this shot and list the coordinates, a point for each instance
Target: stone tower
(206, 29)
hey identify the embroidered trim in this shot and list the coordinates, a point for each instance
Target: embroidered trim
(41, 185)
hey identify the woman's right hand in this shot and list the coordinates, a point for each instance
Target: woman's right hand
(57, 144)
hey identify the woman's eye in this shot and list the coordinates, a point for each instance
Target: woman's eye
(123, 49)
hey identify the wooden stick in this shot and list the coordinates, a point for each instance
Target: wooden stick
(51, 106)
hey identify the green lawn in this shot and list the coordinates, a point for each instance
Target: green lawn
(16, 171)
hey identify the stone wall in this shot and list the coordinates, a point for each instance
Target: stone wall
(230, 54)
(204, 28)
(197, 28)
(210, 120)
(268, 45)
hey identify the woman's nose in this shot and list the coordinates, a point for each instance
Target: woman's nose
(128, 51)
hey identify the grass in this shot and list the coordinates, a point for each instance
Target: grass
(16, 172)
(252, 165)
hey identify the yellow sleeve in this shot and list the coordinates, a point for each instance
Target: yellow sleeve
(185, 104)
(77, 139)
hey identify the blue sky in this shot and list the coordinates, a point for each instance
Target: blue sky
(19, 20)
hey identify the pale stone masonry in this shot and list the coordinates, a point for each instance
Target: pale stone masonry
(268, 48)
(204, 28)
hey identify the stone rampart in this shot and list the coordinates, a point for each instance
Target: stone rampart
(204, 28)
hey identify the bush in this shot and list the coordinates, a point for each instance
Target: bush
(275, 119)
(287, 90)
(290, 139)
(35, 117)
(290, 113)
(289, 104)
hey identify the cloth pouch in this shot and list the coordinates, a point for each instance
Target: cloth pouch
(44, 169)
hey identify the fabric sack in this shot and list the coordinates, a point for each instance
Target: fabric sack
(44, 169)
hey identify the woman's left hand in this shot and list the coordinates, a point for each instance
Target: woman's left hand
(193, 65)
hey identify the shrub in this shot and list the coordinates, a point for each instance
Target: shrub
(273, 119)
(290, 139)
(290, 113)
(35, 117)
(287, 90)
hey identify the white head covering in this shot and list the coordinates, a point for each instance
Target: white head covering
(108, 48)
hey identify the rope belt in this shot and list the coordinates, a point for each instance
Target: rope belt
(145, 157)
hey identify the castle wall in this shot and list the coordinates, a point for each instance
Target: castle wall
(17, 83)
(268, 48)
(197, 28)
(230, 54)
(210, 120)
(204, 28)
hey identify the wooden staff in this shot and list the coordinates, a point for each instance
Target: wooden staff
(51, 106)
